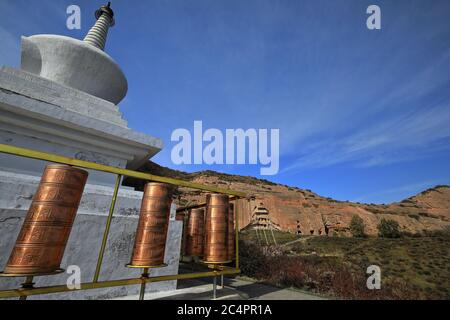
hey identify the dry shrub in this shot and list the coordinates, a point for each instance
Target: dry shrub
(323, 275)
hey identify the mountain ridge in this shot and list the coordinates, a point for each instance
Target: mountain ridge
(156, 169)
(303, 211)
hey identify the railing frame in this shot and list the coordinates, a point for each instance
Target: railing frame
(29, 290)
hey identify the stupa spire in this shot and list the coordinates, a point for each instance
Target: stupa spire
(82, 65)
(98, 33)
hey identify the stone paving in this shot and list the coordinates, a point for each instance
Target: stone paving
(234, 289)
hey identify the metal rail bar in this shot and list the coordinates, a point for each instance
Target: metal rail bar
(236, 234)
(113, 283)
(201, 205)
(192, 206)
(265, 236)
(108, 226)
(142, 290)
(273, 236)
(34, 154)
(214, 288)
(27, 284)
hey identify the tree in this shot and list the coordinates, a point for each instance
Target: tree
(357, 227)
(388, 229)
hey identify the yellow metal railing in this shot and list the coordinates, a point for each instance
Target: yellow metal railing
(120, 172)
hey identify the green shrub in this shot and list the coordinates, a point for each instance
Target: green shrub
(357, 227)
(388, 229)
(253, 261)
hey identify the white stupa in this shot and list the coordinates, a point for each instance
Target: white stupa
(81, 65)
(64, 100)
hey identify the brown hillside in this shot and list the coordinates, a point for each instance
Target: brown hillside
(304, 212)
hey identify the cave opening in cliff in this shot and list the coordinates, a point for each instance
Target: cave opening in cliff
(311, 231)
(298, 227)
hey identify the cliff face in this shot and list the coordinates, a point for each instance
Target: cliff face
(304, 212)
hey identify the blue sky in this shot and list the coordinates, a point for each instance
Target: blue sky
(363, 115)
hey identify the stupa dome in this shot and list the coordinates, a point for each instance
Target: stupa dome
(81, 65)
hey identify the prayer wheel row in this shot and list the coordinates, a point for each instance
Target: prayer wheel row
(42, 240)
(210, 232)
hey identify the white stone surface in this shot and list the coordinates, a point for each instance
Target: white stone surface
(199, 292)
(40, 114)
(57, 94)
(84, 243)
(75, 64)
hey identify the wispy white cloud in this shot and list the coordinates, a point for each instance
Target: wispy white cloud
(17, 19)
(406, 190)
(403, 138)
(408, 122)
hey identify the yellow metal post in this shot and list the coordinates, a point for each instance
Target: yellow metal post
(214, 287)
(108, 226)
(236, 234)
(27, 285)
(144, 276)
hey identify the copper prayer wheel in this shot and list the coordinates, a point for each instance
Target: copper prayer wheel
(42, 240)
(216, 229)
(195, 233)
(231, 234)
(151, 235)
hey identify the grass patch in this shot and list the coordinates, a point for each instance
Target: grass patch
(280, 237)
(411, 268)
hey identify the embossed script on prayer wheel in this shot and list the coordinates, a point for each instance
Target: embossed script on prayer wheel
(216, 229)
(42, 240)
(195, 233)
(151, 235)
(231, 234)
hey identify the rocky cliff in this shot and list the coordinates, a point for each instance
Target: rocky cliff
(305, 212)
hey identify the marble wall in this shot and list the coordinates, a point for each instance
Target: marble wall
(85, 238)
